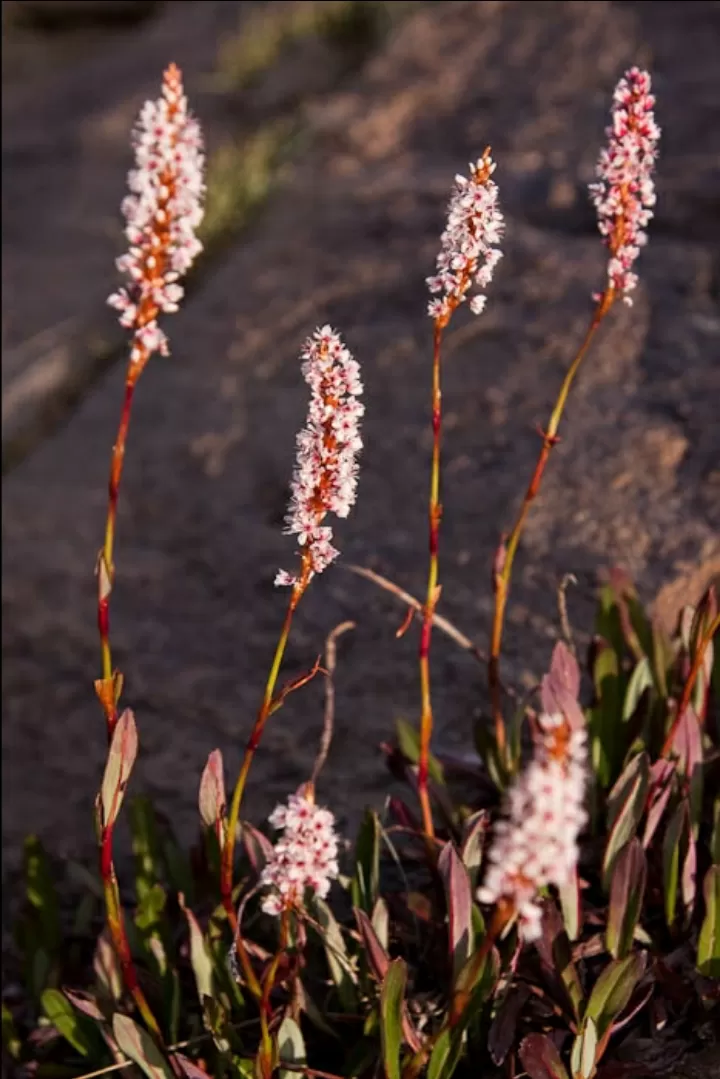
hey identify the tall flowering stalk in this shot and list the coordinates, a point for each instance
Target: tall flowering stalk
(623, 195)
(468, 256)
(162, 213)
(324, 482)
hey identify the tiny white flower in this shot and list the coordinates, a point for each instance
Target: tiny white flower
(537, 844)
(304, 857)
(468, 254)
(624, 192)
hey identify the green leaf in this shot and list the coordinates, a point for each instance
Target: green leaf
(10, 1037)
(137, 1044)
(540, 1058)
(715, 838)
(121, 758)
(640, 680)
(708, 952)
(663, 658)
(366, 878)
(41, 895)
(473, 842)
(65, 1019)
(606, 715)
(409, 744)
(150, 908)
(626, 896)
(199, 955)
(675, 842)
(613, 990)
(459, 901)
(446, 1054)
(584, 1051)
(149, 867)
(626, 805)
(338, 960)
(291, 1047)
(392, 997)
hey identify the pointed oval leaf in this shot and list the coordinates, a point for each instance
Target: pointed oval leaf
(338, 961)
(662, 774)
(473, 843)
(199, 955)
(626, 805)
(121, 758)
(137, 1044)
(392, 999)
(381, 922)
(708, 951)
(584, 1051)
(560, 687)
(291, 1048)
(211, 799)
(626, 896)
(678, 858)
(376, 955)
(613, 990)
(540, 1058)
(62, 1016)
(258, 847)
(366, 878)
(458, 897)
(640, 680)
(570, 902)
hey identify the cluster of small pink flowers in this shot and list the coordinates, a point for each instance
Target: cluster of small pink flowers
(304, 857)
(467, 248)
(624, 193)
(162, 213)
(325, 479)
(537, 844)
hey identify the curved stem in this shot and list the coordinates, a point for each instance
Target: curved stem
(106, 687)
(503, 571)
(690, 684)
(434, 517)
(264, 712)
(108, 690)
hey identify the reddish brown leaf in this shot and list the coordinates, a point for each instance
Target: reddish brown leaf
(540, 1058)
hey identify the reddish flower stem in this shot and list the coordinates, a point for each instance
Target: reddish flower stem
(108, 691)
(264, 713)
(689, 686)
(434, 518)
(503, 572)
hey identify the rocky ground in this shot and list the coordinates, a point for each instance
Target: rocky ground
(348, 238)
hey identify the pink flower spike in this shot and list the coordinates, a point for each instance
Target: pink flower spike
(537, 844)
(304, 856)
(468, 251)
(162, 213)
(624, 192)
(325, 479)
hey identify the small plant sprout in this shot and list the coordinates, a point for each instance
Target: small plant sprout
(324, 482)
(537, 844)
(624, 193)
(468, 256)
